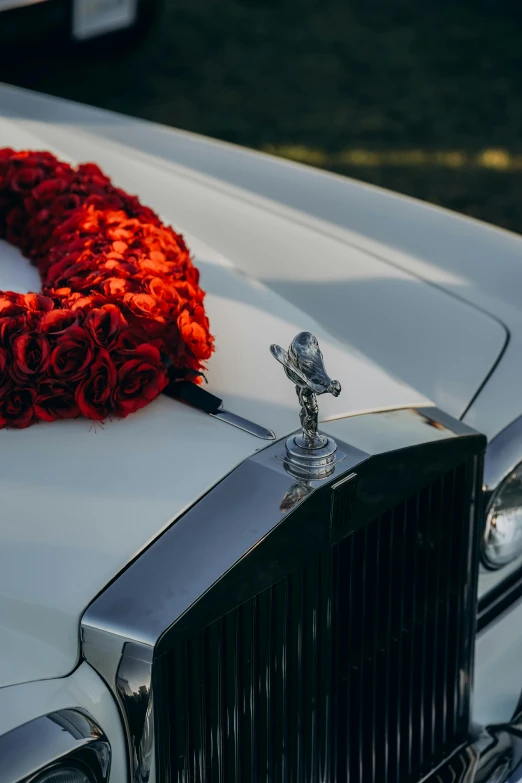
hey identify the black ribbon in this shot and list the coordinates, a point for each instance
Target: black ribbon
(180, 388)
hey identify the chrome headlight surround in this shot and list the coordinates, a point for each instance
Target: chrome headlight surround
(68, 739)
(503, 527)
(502, 542)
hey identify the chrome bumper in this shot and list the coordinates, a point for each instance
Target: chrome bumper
(494, 757)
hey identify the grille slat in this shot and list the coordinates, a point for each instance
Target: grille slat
(358, 654)
(423, 609)
(216, 694)
(324, 668)
(407, 636)
(310, 669)
(433, 671)
(383, 721)
(280, 614)
(376, 695)
(449, 504)
(353, 669)
(250, 688)
(398, 693)
(264, 751)
(458, 578)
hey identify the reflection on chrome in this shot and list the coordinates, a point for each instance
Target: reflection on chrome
(297, 492)
(133, 684)
(66, 735)
(494, 757)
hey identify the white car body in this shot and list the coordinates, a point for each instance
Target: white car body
(413, 306)
(89, 18)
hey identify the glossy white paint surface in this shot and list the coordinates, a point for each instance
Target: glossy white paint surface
(78, 502)
(349, 256)
(498, 669)
(474, 261)
(83, 689)
(490, 579)
(439, 345)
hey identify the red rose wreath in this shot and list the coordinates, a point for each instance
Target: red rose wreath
(120, 307)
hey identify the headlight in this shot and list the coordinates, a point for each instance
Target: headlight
(64, 774)
(61, 747)
(503, 533)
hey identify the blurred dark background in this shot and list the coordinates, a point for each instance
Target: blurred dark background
(417, 96)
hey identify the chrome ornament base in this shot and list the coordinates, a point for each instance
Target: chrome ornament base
(300, 452)
(307, 462)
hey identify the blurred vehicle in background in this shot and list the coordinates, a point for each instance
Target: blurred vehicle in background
(41, 21)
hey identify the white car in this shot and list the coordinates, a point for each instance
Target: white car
(80, 19)
(183, 600)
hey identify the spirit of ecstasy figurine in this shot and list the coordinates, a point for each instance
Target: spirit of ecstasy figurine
(304, 366)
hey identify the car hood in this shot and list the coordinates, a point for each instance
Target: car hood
(78, 502)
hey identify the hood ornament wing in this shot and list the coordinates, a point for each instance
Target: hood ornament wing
(304, 366)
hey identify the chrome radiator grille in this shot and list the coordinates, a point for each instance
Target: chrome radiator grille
(355, 668)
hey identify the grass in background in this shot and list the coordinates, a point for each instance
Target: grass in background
(419, 97)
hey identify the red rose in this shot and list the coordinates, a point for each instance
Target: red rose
(159, 289)
(194, 330)
(113, 278)
(55, 322)
(143, 305)
(187, 292)
(11, 327)
(62, 270)
(17, 407)
(115, 286)
(77, 301)
(192, 274)
(105, 324)
(65, 203)
(129, 340)
(54, 401)
(6, 154)
(31, 356)
(49, 189)
(10, 306)
(91, 169)
(15, 228)
(93, 394)
(140, 379)
(73, 353)
(37, 302)
(24, 179)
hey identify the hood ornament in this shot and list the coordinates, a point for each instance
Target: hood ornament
(309, 454)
